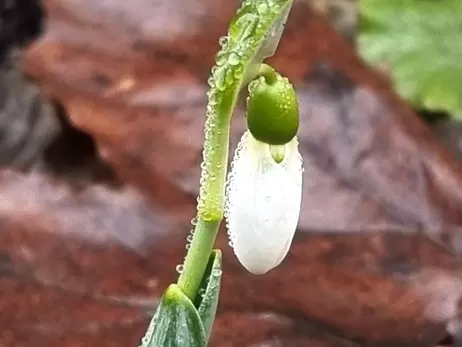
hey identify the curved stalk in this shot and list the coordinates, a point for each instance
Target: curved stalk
(253, 36)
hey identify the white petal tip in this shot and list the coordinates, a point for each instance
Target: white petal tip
(260, 264)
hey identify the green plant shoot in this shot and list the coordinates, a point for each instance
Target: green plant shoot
(187, 309)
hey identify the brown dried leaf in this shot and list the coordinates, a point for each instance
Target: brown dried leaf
(373, 263)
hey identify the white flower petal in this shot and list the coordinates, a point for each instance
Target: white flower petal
(263, 203)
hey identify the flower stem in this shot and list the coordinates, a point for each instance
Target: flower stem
(198, 257)
(269, 73)
(226, 81)
(211, 198)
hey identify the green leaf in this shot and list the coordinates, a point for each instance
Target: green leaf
(176, 323)
(420, 41)
(209, 292)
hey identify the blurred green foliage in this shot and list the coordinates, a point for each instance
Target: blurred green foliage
(421, 42)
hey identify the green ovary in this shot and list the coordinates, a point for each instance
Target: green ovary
(272, 110)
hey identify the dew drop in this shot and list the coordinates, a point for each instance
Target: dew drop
(188, 246)
(180, 268)
(220, 83)
(233, 59)
(150, 331)
(190, 236)
(202, 292)
(262, 7)
(221, 59)
(229, 79)
(212, 100)
(217, 272)
(144, 341)
(223, 41)
(238, 72)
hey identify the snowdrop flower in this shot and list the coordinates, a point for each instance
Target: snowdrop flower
(264, 190)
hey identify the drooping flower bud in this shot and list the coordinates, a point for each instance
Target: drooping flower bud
(263, 203)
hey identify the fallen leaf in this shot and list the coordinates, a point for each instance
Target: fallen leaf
(374, 261)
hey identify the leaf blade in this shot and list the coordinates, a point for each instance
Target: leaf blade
(419, 40)
(176, 322)
(211, 283)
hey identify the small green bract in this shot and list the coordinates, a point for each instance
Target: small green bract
(420, 41)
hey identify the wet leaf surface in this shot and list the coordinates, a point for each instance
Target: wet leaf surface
(427, 77)
(373, 264)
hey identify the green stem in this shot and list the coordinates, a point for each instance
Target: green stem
(228, 78)
(212, 191)
(198, 257)
(269, 73)
(211, 198)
